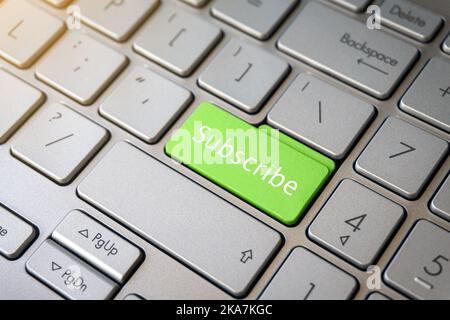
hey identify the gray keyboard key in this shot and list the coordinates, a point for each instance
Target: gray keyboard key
(177, 40)
(305, 276)
(133, 297)
(18, 100)
(59, 143)
(370, 60)
(402, 157)
(410, 19)
(195, 226)
(98, 245)
(258, 18)
(244, 75)
(429, 96)
(116, 19)
(26, 32)
(354, 5)
(58, 3)
(375, 296)
(146, 104)
(196, 3)
(80, 67)
(321, 116)
(441, 202)
(68, 275)
(446, 45)
(15, 234)
(421, 268)
(356, 223)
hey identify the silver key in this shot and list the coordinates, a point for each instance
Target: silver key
(59, 142)
(367, 59)
(354, 5)
(258, 18)
(146, 104)
(356, 223)
(18, 101)
(195, 226)
(68, 275)
(305, 276)
(15, 234)
(134, 297)
(441, 202)
(421, 268)
(244, 75)
(196, 3)
(98, 245)
(402, 157)
(26, 32)
(116, 19)
(410, 19)
(429, 96)
(184, 43)
(377, 297)
(80, 67)
(321, 116)
(59, 3)
(446, 45)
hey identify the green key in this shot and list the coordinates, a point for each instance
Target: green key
(264, 167)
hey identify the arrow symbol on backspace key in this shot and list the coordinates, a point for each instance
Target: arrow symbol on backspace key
(361, 61)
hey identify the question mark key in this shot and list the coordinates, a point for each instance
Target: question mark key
(57, 116)
(59, 150)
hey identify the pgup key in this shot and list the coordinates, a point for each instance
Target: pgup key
(107, 245)
(98, 245)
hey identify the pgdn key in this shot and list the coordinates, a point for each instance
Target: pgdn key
(68, 275)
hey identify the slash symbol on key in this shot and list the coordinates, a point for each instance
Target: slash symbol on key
(59, 140)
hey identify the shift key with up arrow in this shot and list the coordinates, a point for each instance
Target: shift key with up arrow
(98, 245)
(69, 276)
(247, 256)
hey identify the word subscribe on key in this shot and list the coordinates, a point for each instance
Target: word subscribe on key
(262, 166)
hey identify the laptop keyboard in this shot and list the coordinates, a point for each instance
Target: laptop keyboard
(95, 204)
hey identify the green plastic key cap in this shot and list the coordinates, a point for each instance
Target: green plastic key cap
(264, 167)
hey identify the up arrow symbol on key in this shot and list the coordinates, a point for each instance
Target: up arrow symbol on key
(84, 233)
(247, 255)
